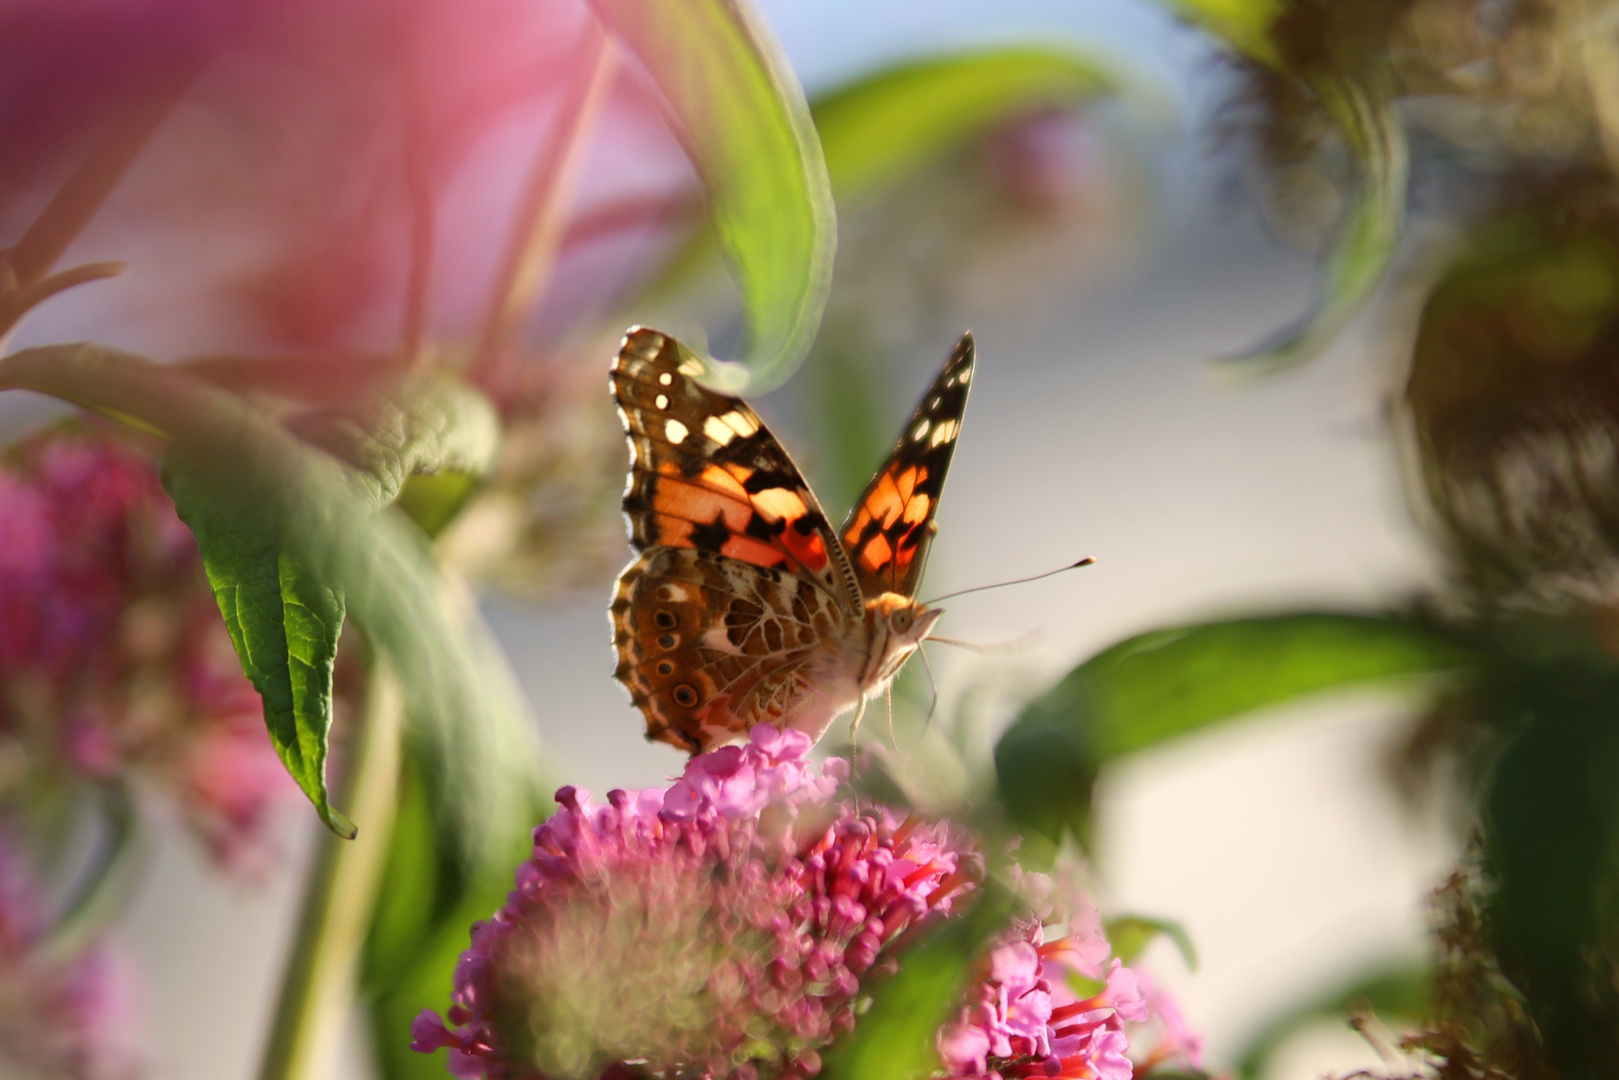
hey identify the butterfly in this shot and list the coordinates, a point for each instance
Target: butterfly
(742, 606)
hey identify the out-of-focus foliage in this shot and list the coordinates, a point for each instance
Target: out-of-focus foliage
(1171, 683)
(464, 707)
(747, 130)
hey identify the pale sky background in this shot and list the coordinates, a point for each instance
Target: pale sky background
(1099, 429)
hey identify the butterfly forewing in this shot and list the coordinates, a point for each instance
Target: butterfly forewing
(888, 532)
(705, 473)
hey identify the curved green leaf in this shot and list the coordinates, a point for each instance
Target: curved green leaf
(1399, 991)
(1376, 138)
(1169, 683)
(742, 116)
(878, 128)
(1244, 24)
(283, 623)
(465, 710)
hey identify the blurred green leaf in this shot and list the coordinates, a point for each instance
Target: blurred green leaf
(421, 925)
(466, 714)
(747, 129)
(1244, 24)
(878, 128)
(1377, 141)
(895, 1039)
(1551, 834)
(1162, 685)
(1397, 992)
(1131, 934)
(283, 622)
(424, 425)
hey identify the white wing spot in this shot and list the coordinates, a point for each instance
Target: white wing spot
(963, 375)
(661, 401)
(742, 423)
(921, 431)
(934, 404)
(718, 430)
(675, 431)
(944, 432)
(665, 379)
(690, 366)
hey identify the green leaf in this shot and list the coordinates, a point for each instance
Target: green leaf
(465, 713)
(1376, 139)
(895, 1039)
(1169, 683)
(876, 129)
(746, 127)
(1244, 24)
(422, 920)
(1131, 934)
(1399, 991)
(422, 426)
(283, 623)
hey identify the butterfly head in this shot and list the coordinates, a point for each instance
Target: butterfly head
(898, 625)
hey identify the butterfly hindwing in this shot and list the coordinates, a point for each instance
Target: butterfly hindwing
(709, 646)
(891, 525)
(706, 474)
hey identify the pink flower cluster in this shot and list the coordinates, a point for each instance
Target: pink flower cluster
(1029, 1017)
(730, 925)
(114, 661)
(69, 1017)
(721, 927)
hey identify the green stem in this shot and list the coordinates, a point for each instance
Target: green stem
(320, 975)
(105, 882)
(537, 235)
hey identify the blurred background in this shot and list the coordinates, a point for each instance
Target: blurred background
(1105, 256)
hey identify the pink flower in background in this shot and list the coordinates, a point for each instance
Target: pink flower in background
(61, 1017)
(114, 661)
(721, 927)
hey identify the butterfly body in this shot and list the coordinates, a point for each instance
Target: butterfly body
(742, 605)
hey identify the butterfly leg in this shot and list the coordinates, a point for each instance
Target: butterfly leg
(888, 696)
(854, 725)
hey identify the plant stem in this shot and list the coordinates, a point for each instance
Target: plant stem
(319, 980)
(87, 187)
(537, 235)
(107, 880)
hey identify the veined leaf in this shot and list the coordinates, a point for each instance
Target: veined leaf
(465, 710)
(1376, 138)
(1162, 685)
(283, 622)
(741, 114)
(878, 128)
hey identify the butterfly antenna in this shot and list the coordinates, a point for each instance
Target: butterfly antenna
(1086, 561)
(888, 696)
(933, 686)
(1001, 648)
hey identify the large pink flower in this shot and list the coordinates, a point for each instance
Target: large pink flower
(732, 925)
(721, 927)
(114, 661)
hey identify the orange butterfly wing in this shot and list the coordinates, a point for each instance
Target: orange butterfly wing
(888, 532)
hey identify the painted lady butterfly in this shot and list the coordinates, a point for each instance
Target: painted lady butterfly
(742, 605)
